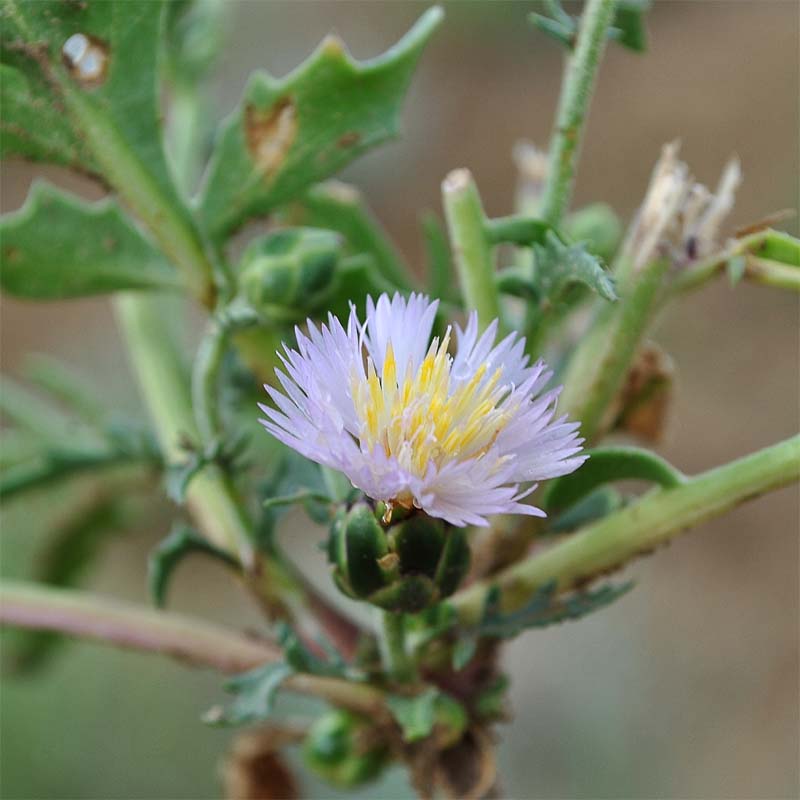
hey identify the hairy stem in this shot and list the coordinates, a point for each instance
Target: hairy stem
(599, 364)
(655, 519)
(190, 640)
(472, 249)
(205, 380)
(573, 108)
(392, 641)
(164, 384)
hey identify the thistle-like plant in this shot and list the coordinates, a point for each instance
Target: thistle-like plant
(414, 422)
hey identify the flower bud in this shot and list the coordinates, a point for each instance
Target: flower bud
(288, 273)
(341, 748)
(406, 567)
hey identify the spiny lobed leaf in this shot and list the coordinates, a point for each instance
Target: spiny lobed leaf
(543, 609)
(291, 133)
(89, 248)
(35, 125)
(254, 695)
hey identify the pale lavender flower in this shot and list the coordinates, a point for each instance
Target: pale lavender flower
(459, 437)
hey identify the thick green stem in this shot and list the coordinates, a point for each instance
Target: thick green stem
(164, 384)
(639, 528)
(472, 249)
(600, 362)
(190, 640)
(392, 639)
(574, 107)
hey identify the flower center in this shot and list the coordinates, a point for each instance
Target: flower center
(430, 419)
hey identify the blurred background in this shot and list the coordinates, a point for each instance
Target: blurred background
(688, 686)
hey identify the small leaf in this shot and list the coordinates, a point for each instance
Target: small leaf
(301, 659)
(558, 266)
(607, 464)
(181, 542)
(291, 133)
(90, 248)
(628, 28)
(543, 609)
(254, 695)
(735, 268)
(491, 701)
(415, 715)
(594, 506)
(463, 651)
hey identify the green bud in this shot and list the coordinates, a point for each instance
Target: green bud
(338, 749)
(598, 226)
(406, 567)
(289, 273)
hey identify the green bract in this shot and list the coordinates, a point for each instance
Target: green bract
(404, 567)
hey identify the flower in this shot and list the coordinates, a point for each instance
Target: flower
(409, 425)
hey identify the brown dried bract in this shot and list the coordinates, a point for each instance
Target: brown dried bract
(270, 134)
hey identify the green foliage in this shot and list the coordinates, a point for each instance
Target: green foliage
(254, 696)
(195, 31)
(122, 95)
(340, 207)
(591, 507)
(598, 226)
(627, 29)
(781, 247)
(283, 137)
(420, 714)
(543, 609)
(301, 659)
(164, 559)
(605, 465)
(97, 249)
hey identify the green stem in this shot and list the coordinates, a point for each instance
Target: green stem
(190, 640)
(573, 108)
(639, 528)
(472, 249)
(600, 362)
(392, 640)
(205, 379)
(162, 377)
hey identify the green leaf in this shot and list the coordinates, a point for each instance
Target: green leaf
(71, 552)
(598, 226)
(594, 506)
(94, 67)
(735, 268)
(607, 464)
(559, 266)
(543, 609)
(415, 715)
(62, 381)
(491, 702)
(90, 248)
(291, 133)
(628, 28)
(181, 542)
(463, 651)
(254, 695)
(195, 33)
(301, 659)
(340, 207)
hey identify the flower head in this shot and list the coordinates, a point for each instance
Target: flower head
(459, 437)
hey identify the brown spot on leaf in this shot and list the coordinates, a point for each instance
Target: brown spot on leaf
(349, 139)
(86, 58)
(11, 254)
(270, 134)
